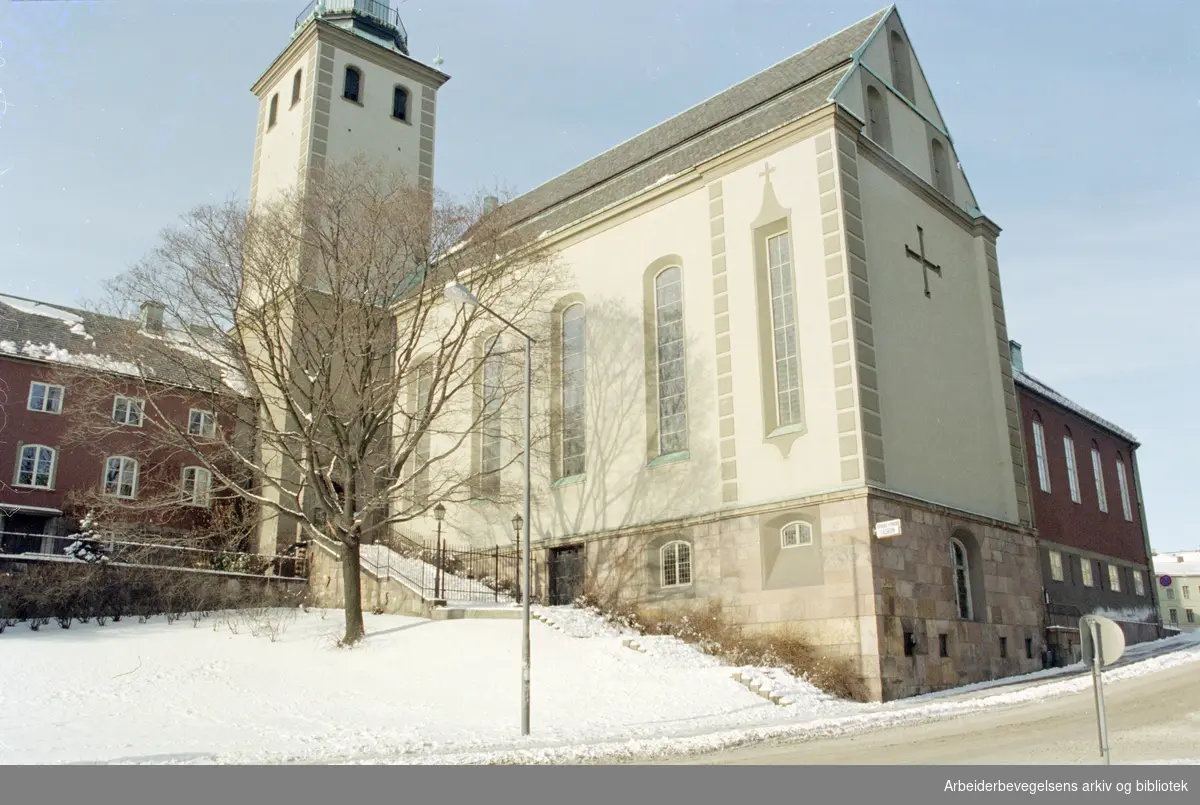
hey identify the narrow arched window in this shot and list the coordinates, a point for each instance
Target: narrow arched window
(400, 103)
(671, 355)
(943, 179)
(121, 477)
(574, 390)
(490, 432)
(675, 559)
(36, 466)
(795, 535)
(273, 115)
(1039, 448)
(877, 121)
(296, 87)
(962, 579)
(1072, 467)
(352, 90)
(1123, 484)
(901, 65)
(785, 339)
(1098, 474)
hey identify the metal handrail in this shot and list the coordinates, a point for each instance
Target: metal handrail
(376, 10)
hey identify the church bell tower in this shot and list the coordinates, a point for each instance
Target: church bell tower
(345, 85)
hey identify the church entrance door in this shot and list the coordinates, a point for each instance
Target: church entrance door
(566, 574)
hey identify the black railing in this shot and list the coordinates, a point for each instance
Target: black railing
(375, 10)
(447, 573)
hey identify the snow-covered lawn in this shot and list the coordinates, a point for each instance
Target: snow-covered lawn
(416, 692)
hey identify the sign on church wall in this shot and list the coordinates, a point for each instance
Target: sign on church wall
(887, 528)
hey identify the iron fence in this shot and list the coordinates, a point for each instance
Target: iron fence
(454, 574)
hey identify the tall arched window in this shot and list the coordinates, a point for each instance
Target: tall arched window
(1039, 448)
(273, 115)
(785, 340)
(296, 88)
(36, 467)
(877, 120)
(352, 91)
(400, 103)
(1072, 467)
(421, 453)
(1098, 474)
(490, 432)
(943, 179)
(962, 579)
(121, 477)
(574, 389)
(901, 65)
(671, 353)
(675, 559)
(1123, 483)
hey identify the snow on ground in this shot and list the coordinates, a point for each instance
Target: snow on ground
(417, 691)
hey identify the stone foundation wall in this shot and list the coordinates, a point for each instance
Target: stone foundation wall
(327, 590)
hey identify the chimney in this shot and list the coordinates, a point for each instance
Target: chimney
(152, 316)
(1018, 363)
(490, 203)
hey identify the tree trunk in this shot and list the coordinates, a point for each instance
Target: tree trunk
(352, 587)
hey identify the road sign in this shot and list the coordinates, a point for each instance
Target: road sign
(887, 528)
(1112, 640)
(1165, 581)
(1102, 643)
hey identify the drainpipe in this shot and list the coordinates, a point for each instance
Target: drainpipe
(1152, 581)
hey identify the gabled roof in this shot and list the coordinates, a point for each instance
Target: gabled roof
(788, 91)
(68, 336)
(1178, 563)
(1042, 390)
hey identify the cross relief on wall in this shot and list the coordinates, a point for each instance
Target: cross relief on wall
(926, 264)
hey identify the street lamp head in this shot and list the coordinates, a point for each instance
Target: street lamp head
(439, 512)
(457, 293)
(517, 522)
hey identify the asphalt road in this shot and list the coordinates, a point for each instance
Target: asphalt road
(1151, 718)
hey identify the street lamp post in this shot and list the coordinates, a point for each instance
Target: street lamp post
(439, 514)
(517, 521)
(458, 294)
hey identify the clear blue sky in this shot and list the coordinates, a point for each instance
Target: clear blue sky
(1078, 124)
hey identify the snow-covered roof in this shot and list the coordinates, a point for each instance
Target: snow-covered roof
(1041, 389)
(41, 331)
(1180, 563)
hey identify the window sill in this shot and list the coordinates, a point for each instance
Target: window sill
(351, 100)
(41, 411)
(570, 480)
(670, 458)
(33, 486)
(787, 430)
(403, 120)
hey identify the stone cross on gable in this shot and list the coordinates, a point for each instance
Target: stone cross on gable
(926, 264)
(767, 171)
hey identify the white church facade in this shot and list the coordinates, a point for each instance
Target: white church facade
(784, 325)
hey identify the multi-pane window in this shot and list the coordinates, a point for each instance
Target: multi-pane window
(45, 397)
(197, 486)
(121, 477)
(202, 424)
(783, 330)
(676, 560)
(669, 338)
(36, 466)
(1123, 482)
(1171, 593)
(574, 389)
(1072, 467)
(1039, 447)
(1139, 583)
(1098, 472)
(127, 411)
(490, 430)
(1173, 615)
(1187, 591)
(1189, 615)
(795, 535)
(962, 579)
(1056, 566)
(352, 89)
(1085, 573)
(1114, 578)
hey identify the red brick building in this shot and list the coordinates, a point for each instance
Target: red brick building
(75, 430)
(1087, 505)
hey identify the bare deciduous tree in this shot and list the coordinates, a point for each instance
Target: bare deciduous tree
(359, 389)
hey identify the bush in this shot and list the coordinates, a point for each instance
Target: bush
(709, 630)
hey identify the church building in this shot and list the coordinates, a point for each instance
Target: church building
(781, 377)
